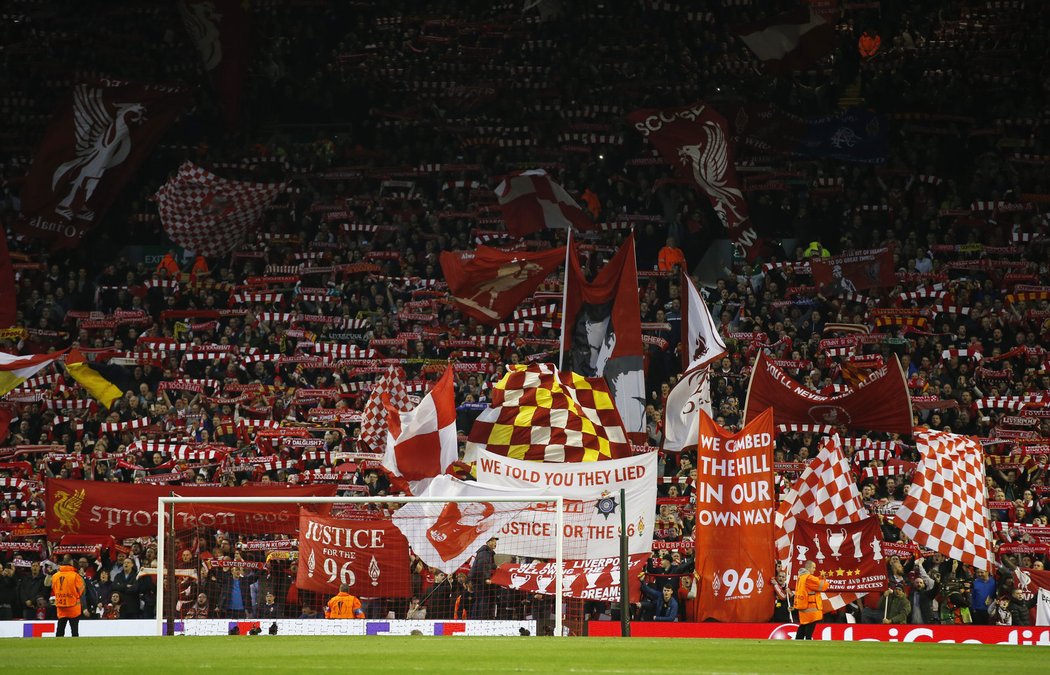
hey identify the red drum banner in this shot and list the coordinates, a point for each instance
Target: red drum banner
(734, 521)
(94, 507)
(370, 556)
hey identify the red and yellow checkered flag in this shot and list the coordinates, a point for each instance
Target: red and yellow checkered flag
(543, 414)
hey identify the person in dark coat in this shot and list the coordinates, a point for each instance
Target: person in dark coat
(483, 606)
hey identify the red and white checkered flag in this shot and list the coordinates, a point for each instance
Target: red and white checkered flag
(825, 494)
(946, 508)
(211, 215)
(374, 417)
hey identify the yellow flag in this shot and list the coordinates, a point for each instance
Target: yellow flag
(101, 389)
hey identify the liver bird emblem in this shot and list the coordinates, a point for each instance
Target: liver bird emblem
(66, 507)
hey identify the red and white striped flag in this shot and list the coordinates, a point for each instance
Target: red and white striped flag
(946, 508)
(14, 370)
(530, 201)
(422, 443)
(212, 215)
(374, 417)
(824, 494)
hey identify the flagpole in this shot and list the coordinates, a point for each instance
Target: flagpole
(685, 300)
(564, 301)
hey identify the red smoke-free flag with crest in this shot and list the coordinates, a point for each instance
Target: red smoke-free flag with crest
(94, 144)
(210, 215)
(488, 284)
(694, 139)
(219, 30)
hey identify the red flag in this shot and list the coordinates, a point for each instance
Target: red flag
(603, 332)
(93, 507)
(530, 201)
(422, 443)
(695, 140)
(370, 556)
(489, 284)
(854, 271)
(212, 215)
(849, 556)
(8, 292)
(791, 41)
(93, 146)
(881, 404)
(219, 29)
(734, 521)
(1030, 581)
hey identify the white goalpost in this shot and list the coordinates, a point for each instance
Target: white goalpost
(168, 525)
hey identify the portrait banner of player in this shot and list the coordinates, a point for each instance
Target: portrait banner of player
(95, 142)
(369, 556)
(853, 271)
(849, 556)
(603, 332)
(488, 284)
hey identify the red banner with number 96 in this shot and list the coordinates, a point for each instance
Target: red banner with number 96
(370, 556)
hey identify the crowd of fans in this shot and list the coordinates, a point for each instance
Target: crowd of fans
(392, 123)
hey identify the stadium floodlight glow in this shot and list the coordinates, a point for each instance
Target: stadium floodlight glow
(166, 509)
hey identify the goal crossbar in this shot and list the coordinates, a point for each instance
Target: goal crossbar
(164, 502)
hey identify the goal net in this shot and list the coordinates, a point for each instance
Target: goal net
(413, 565)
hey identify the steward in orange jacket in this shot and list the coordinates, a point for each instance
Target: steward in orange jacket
(67, 587)
(808, 600)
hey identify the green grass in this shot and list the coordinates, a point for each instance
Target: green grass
(392, 654)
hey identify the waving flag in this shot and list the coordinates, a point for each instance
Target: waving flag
(211, 215)
(825, 494)
(790, 41)
(603, 331)
(422, 443)
(391, 386)
(488, 284)
(93, 146)
(14, 370)
(946, 508)
(101, 389)
(695, 140)
(541, 413)
(530, 201)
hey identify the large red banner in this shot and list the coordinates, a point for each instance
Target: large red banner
(93, 146)
(734, 520)
(853, 271)
(123, 511)
(370, 556)
(597, 579)
(488, 284)
(695, 140)
(848, 556)
(879, 403)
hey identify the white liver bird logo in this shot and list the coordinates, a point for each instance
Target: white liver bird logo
(710, 163)
(103, 141)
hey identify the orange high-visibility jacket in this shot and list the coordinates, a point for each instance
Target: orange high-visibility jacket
(808, 600)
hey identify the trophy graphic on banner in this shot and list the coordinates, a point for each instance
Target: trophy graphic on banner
(819, 556)
(802, 551)
(835, 541)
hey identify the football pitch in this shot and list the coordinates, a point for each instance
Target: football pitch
(392, 654)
